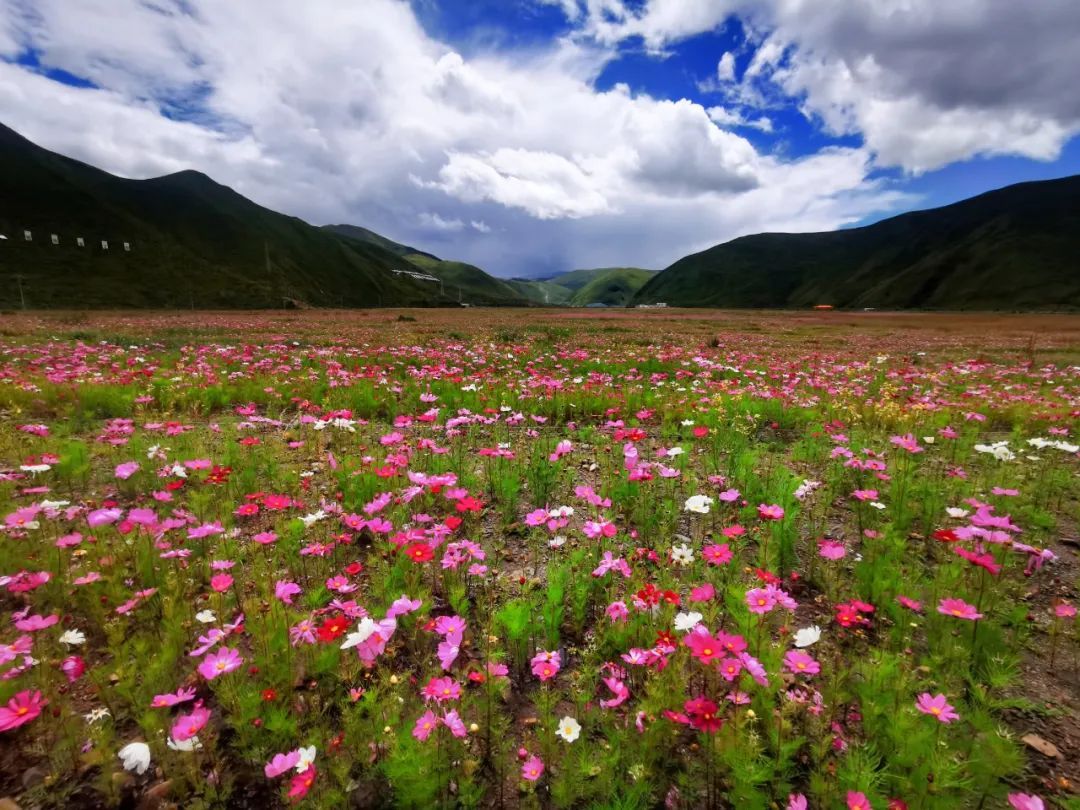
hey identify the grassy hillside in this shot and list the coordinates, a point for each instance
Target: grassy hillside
(467, 283)
(194, 243)
(364, 235)
(1014, 248)
(614, 287)
(611, 286)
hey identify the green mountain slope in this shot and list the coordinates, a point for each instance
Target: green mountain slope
(614, 287)
(467, 283)
(364, 235)
(541, 292)
(610, 286)
(194, 243)
(1014, 248)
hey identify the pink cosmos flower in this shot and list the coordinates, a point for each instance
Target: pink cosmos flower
(800, 663)
(770, 511)
(103, 517)
(857, 801)
(403, 605)
(441, 690)
(126, 470)
(1026, 801)
(281, 763)
(532, 769)
(285, 591)
(703, 646)
(617, 611)
(21, 709)
(796, 801)
(717, 554)
(703, 593)
(545, 665)
(302, 782)
(1064, 611)
(618, 689)
(221, 582)
(73, 668)
(33, 623)
(222, 662)
(730, 668)
(452, 720)
(180, 696)
(425, 724)
(187, 726)
(831, 550)
(910, 604)
(760, 600)
(936, 706)
(958, 608)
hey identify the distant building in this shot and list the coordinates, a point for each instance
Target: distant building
(657, 305)
(104, 244)
(55, 238)
(29, 237)
(79, 242)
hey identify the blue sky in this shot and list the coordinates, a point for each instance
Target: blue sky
(533, 136)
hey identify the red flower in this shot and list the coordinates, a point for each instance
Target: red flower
(333, 628)
(420, 553)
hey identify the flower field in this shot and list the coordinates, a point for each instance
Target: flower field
(539, 559)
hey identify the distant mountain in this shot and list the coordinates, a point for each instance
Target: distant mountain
(608, 286)
(193, 243)
(1014, 248)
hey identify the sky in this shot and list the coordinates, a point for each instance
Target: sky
(531, 137)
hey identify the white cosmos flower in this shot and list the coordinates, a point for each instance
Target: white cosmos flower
(96, 715)
(687, 422)
(877, 504)
(557, 541)
(136, 757)
(72, 638)
(206, 617)
(191, 744)
(362, 634)
(807, 636)
(675, 451)
(307, 756)
(699, 504)
(34, 469)
(956, 512)
(569, 729)
(687, 621)
(314, 517)
(682, 554)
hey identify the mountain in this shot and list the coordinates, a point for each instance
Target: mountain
(193, 243)
(607, 286)
(459, 282)
(364, 235)
(1014, 248)
(612, 287)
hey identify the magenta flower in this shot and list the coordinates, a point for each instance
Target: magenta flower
(285, 591)
(73, 668)
(857, 801)
(281, 763)
(126, 470)
(532, 769)
(958, 608)
(181, 696)
(441, 690)
(800, 663)
(717, 554)
(452, 720)
(221, 582)
(187, 726)
(1026, 801)
(936, 706)
(796, 801)
(425, 724)
(21, 709)
(545, 665)
(770, 511)
(760, 600)
(222, 662)
(831, 550)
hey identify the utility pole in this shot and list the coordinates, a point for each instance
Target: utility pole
(22, 297)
